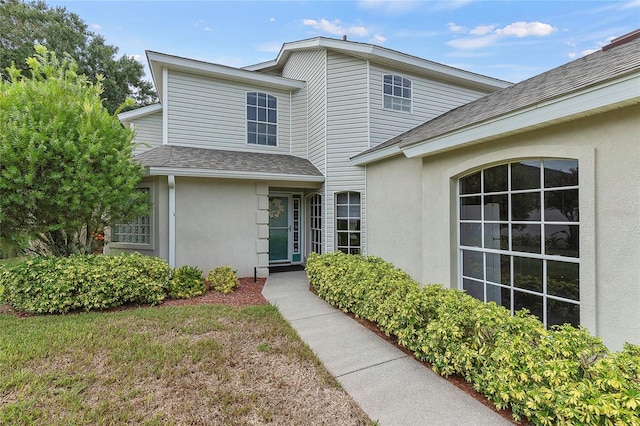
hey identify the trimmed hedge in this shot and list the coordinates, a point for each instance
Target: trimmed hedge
(88, 282)
(186, 282)
(223, 279)
(562, 375)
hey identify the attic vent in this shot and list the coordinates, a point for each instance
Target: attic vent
(622, 39)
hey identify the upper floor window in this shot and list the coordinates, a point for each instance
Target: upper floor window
(397, 93)
(262, 119)
(348, 218)
(519, 235)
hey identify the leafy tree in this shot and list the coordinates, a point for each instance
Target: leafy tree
(22, 25)
(65, 162)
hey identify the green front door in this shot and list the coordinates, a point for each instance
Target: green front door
(279, 228)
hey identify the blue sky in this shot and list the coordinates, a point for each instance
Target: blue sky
(511, 40)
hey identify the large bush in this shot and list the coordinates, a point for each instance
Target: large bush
(89, 282)
(561, 375)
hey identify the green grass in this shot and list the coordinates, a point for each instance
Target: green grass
(171, 365)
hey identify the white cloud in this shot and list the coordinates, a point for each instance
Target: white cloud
(96, 26)
(588, 52)
(481, 30)
(137, 57)
(473, 42)
(455, 28)
(378, 39)
(272, 47)
(272, 19)
(526, 29)
(396, 7)
(632, 4)
(207, 29)
(335, 27)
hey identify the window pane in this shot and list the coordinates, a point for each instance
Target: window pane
(354, 197)
(525, 206)
(252, 127)
(525, 175)
(354, 211)
(470, 208)
(472, 264)
(473, 288)
(406, 93)
(251, 113)
(397, 91)
(526, 238)
(388, 103)
(252, 99)
(498, 268)
(495, 179)
(531, 302)
(397, 80)
(559, 313)
(262, 114)
(262, 128)
(262, 99)
(496, 207)
(262, 139)
(343, 238)
(527, 273)
(407, 83)
(560, 173)
(343, 198)
(561, 206)
(271, 129)
(563, 279)
(354, 239)
(272, 116)
(470, 184)
(496, 236)
(271, 140)
(252, 138)
(471, 234)
(272, 102)
(354, 225)
(562, 240)
(354, 251)
(343, 211)
(500, 295)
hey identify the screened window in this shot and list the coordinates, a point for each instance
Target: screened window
(138, 231)
(315, 223)
(519, 234)
(348, 222)
(262, 119)
(397, 92)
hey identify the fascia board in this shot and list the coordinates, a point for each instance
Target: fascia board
(381, 154)
(229, 174)
(140, 112)
(221, 71)
(599, 98)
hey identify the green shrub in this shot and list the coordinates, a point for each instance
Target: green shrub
(88, 282)
(558, 376)
(223, 279)
(186, 282)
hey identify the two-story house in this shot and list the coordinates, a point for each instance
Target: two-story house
(251, 167)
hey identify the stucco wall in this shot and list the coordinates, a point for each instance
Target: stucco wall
(608, 149)
(394, 213)
(216, 224)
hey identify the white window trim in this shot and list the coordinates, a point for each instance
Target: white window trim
(246, 121)
(336, 218)
(397, 97)
(586, 159)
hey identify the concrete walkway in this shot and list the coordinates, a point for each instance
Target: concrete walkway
(390, 386)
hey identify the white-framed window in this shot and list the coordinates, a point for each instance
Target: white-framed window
(348, 222)
(396, 92)
(315, 223)
(138, 232)
(262, 119)
(518, 237)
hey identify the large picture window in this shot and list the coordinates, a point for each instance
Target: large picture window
(348, 222)
(519, 237)
(397, 92)
(262, 119)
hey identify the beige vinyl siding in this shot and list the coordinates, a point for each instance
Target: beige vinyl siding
(309, 123)
(211, 113)
(148, 131)
(347, 135)
(430, 98)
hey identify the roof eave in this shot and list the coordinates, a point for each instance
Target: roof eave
(377, 155)
(128, 116)
(232, 174)
(610, 95)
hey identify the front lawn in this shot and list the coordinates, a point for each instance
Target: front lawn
(206, 364)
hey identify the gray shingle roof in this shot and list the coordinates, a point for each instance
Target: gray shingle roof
(589, 70)
(180, 157)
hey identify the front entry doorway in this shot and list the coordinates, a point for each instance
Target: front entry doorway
(284, 229)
